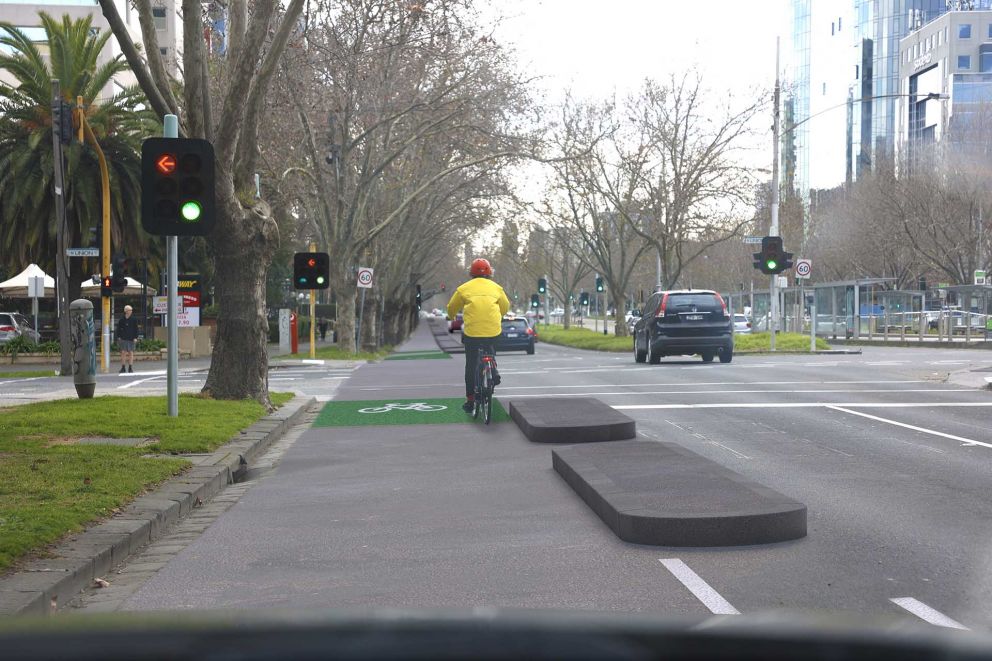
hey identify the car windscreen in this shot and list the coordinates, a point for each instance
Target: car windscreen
(686, 302)
(515, 324)
(739, 317)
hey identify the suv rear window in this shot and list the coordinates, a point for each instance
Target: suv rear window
(515, 324)
(685, 303)
(6, 320)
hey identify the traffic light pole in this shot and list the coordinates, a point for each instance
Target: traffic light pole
(171, 130)
(547, 300)
(313, 310)
(105, 249)
(773, 288)
(61, 261)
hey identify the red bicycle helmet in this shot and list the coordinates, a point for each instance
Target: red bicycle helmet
(481, 267)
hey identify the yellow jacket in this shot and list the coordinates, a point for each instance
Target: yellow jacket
(484, 303)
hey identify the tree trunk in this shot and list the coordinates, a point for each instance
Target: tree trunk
(567, 320)
(370, 322)
(239, 365)
(346, 316)
(620, 305)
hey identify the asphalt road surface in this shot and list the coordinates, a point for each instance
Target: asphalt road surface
(890, 455)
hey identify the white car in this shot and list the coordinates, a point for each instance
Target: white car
(742, 324)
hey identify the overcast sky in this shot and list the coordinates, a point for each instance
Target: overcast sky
(598, 47)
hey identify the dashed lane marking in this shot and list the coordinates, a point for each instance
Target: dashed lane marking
(698, 587)
(926, 613)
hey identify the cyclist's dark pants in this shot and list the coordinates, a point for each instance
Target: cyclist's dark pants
(472, 346)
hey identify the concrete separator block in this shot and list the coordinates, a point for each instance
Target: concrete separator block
(661, 494)
(570, 420)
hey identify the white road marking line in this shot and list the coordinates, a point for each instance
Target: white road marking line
(924, 430)
(700, 588)
(796, 405)
(927, 614)
(332, 378)
(138, 381)
(740, 455)
(703, 383)
(736, 392)
(311, 361)
(286, 378)
(33, 378)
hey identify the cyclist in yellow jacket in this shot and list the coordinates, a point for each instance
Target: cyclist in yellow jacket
(484, 303)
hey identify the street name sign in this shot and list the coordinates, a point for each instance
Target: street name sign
(82, 252)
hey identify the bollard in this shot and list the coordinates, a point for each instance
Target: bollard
(83, 343)
(294, 335)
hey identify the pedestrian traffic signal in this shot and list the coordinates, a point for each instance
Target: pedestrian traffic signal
(772, 259)
(584, 298)
(599, 283)
(542, 285)
(118, 277)
(106, 286)
(311, 270)
(177, 186)
(535, 301)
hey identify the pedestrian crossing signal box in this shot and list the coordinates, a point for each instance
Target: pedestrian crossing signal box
(311, 270)
(177, 187)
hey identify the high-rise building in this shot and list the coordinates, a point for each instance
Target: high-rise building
(165, 15)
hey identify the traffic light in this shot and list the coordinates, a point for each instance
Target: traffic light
(599, 283)
(118, 280)
(177, 186)
(772, 259)
(311, 270)
(542, 286)
(419, 298)
(62, 121)
(584, 298)
(535, 300)
(106, 286)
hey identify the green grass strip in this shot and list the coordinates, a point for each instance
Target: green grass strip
(783, 342)
(50, 486)
(583, 338)
(336, 353)
(24, 374)
(400, 412)
(418, 355)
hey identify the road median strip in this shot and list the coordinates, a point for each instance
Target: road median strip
(76, 484)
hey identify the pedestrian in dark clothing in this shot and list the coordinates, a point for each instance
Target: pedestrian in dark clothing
(127, 335)
(323, 329)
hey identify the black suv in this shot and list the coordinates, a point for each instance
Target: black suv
(684, 322)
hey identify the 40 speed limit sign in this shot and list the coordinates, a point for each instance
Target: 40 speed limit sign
(803, 268)
(365, 277)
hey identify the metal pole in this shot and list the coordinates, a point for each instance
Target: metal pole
(171, 130)
(358, 329)
(144, 297)
(313, 312)
(773, 291)
(812, 328)
(658, 267)
(604, 310)
(547, 299)
(105, 249)
(61, 265)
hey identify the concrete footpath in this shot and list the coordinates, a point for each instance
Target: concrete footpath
(433, 515)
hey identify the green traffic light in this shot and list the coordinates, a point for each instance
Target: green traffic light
(320, 279)
(191, 211)
(771, 264)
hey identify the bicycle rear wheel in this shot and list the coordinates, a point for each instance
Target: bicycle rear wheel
(479, 391)
(489, 401)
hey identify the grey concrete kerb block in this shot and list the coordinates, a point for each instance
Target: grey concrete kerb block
(94, 552)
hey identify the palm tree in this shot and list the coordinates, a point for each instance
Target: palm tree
(27, 210)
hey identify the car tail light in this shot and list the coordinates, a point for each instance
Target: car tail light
(725, 312)
(530, 331)
(660, 312)
(7, 329)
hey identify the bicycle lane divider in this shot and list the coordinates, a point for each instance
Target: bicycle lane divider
(420, 411)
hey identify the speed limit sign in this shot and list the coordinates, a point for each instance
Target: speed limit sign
(803, 268)
(364, 277)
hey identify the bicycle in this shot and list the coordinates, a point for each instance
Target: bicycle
(484, 385)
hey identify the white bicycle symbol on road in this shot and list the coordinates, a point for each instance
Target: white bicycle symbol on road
(398, 406)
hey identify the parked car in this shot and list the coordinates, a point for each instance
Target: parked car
(632, 317)
(742, 324)
(517, 335)
(15, 324)
(455, 324)
(684, 322)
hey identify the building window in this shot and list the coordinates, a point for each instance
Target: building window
(824, 89)
(940, 36)
(964, 62)
(163, 51)
(832, 29)
(985, 63)
(964, 31)
(990, 30)
(857, 70)
(158, 15)
(838, 23)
